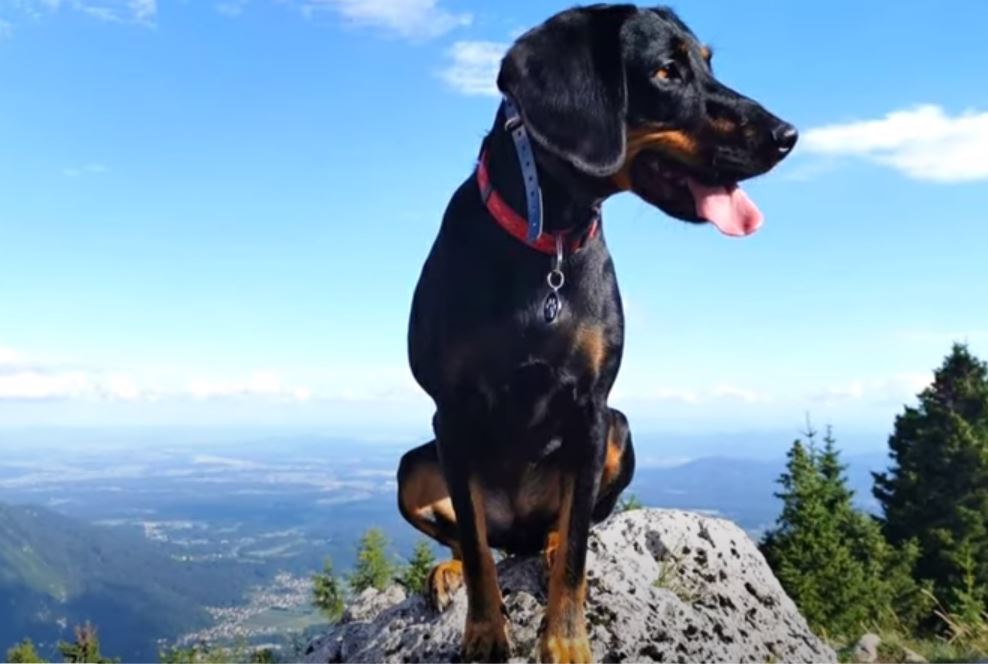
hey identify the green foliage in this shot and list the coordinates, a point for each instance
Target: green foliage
(373, 569)
(203, 653)
(416, 574)
(629, 502)
(936, 490)
(85, 648)
(832, 559)
(327, 592)
(24, 653)
(52, 565)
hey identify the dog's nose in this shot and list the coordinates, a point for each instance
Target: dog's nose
(784, 135)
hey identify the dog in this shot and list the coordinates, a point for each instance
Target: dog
(516, 328)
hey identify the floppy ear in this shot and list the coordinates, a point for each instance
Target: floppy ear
(567, 77)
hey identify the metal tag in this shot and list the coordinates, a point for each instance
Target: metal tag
(551, 307)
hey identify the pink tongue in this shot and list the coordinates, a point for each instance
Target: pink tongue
(727, 208)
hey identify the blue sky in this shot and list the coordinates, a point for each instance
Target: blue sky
(213, 212)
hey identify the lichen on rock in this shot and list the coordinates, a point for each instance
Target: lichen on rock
(663, 585)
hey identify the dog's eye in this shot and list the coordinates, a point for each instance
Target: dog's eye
(667, 72)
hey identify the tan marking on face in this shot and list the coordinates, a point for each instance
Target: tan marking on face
(673, 142)
(591, 343)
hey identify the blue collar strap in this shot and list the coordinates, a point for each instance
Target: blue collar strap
(529, 173)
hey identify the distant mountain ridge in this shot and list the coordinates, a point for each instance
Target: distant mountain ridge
(56, 571)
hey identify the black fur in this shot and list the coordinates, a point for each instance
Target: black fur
(517, 398)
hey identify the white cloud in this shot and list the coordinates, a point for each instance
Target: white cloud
(739, 394)
(473, 67)
(136, 11)
(409, 19)
(10, 357)
(257, 384)
(6, 28)
(722, 392)
(923, 143)
(92, 168)
(143, 10)
(231, 8)
(35, 385)
(891, 389)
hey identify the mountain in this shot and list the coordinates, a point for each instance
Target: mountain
(742, 490)
(56, 572)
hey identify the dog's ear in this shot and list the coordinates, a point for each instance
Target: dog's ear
(567, 76)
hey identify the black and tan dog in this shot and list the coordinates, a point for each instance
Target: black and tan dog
(516, 327)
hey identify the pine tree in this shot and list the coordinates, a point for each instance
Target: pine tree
(373, 569)
(936, 490)
(24, 653)
(416, 574)
(832, 559)
(85, 648)
(327, 595)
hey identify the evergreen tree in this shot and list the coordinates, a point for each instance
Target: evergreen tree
(936, 490)
(327, 593)
(832, 559)
(85, 648)
(24, 653)
(416, 574)
(373, 569)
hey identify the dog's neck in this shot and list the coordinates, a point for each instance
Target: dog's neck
(570, 200)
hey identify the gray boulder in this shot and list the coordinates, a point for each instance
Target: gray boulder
(663, 586)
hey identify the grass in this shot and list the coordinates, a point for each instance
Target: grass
(671, 578)
(964, 640)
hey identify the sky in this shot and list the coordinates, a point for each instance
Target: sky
(213, 213)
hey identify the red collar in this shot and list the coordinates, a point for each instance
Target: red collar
(517, 226)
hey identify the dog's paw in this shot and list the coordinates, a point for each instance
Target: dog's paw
(486, 640)
(559, 649)
(444, 580)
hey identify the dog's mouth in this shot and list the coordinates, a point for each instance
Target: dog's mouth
(681, 192)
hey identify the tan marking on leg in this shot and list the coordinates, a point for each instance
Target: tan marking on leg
(485, 637)
(444, 580)
(425, 497)
(613, 458)
(551, 549)
(565, 637)
(590, 341)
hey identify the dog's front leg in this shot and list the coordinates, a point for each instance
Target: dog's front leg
(485, 636)
(565, 636)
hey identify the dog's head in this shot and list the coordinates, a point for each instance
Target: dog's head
(628, 95)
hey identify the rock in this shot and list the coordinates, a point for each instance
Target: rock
(663, 585)
(866, 649)
(371, 603)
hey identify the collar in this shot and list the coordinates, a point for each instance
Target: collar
(529, 231)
